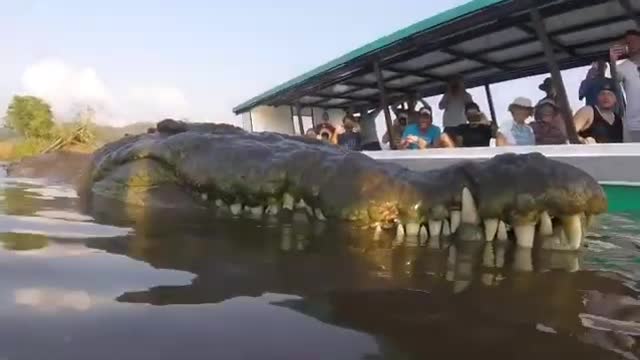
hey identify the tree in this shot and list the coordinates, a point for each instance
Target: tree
(30, 116)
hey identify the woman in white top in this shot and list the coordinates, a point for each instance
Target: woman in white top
(453, 103)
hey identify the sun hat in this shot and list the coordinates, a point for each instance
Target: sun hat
(521, 102)
(546, 85)
(606, 85)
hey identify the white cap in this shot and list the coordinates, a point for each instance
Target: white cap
(522, 102)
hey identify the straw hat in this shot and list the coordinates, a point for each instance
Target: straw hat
(521, 102)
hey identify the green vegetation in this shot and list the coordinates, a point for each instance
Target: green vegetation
(30, 116)
(30, 130)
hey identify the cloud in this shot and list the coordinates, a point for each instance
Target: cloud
(54, 300)
(70, 89)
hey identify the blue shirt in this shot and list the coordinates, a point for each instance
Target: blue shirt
(522, 134)
(431, 136)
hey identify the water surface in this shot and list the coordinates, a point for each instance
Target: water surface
(101, 286)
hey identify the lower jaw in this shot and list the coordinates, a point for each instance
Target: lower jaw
(567, 235)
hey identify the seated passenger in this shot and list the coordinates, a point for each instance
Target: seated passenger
(477, 132)
(325, 130)
(600, 123)
(518, 133)
(397, 129)
(548, 127)
(422, 135)
(349, 139)
(311, 134)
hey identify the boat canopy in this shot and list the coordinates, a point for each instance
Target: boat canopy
(486, 41)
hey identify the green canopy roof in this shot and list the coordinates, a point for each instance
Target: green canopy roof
(484, 40)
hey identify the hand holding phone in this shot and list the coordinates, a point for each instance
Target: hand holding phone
(618, 51)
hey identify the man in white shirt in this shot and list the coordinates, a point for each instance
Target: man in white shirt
(629, 75)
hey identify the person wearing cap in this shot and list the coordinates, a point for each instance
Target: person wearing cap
(368, 131)
(549, 90)
(350, 139)
(590, 85)
(628, 73)
(599, 123)
(548, 127)
(518, 133)
(422, 135)
(412, 102)
(397, 129)
(477, 132)
(453, 103)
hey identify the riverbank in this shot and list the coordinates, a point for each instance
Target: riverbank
(19, 149)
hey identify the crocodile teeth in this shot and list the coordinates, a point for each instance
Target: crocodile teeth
(236, 209)
(446, 229)
(455, 220)
(320, 215)
(589, 221)
(220, 203)
(412, 229)
(573, 230)
(469, 209)
(256, 211)
(502, 232)
(435, 228)
(424, 234)
(400, 232)
(491, 229)
(303, 205)
(273, 210)
(287, 202)
(525, 235)
(546, 225)
(377, 233)
(204, 196)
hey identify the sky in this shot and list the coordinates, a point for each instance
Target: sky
(144, 60)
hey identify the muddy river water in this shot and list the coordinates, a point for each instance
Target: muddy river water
(76, 286)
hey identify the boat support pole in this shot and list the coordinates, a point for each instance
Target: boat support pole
(556, 75)
(492, 108)
(300, 122)
(384, 102)
(626, 5)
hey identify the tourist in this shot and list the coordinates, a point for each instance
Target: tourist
(311, 134)
(397, 129)
(550, 92)
(590, 86)
(517, 132)
(548, 127)
(368, 132)
(599, 123)
(326, 131)
(453, 103)
(412, 114)
(349, 139)
(422, 135)
(477, 132)
(628, 73)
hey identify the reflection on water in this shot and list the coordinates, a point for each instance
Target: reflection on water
(103, 286)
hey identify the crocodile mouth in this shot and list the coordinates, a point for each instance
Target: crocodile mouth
(270, 175)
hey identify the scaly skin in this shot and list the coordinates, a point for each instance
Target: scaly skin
(218, 166)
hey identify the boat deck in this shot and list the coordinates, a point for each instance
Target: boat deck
(605, 162)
